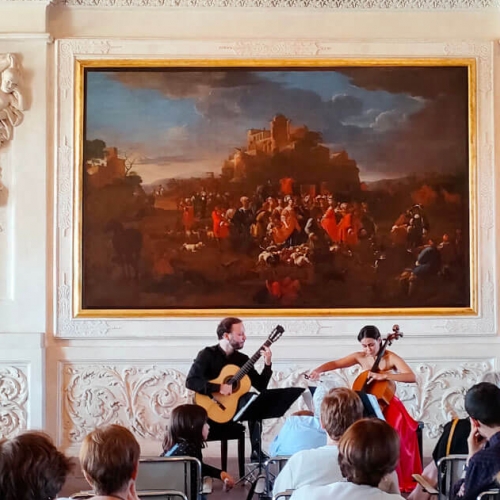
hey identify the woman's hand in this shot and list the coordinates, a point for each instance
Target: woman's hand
(227, 479)
(376, 376)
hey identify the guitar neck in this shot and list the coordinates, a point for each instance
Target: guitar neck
(249, 364)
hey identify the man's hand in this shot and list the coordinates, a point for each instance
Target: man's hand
(266, 354)
(475, 441)
(314, 375)
(226, 389)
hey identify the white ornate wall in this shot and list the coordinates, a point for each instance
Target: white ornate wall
(69, 374)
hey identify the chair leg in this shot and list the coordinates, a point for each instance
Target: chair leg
(241, 455)
(223, 454)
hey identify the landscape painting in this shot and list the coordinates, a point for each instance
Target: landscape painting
(276, 189)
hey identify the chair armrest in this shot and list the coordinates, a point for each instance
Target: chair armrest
(426, 486)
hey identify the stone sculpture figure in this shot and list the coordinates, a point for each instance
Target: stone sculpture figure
(11, 98)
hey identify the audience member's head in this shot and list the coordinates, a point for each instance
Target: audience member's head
(368, 451)
(109, 457)
(31, 468)
(482, 403)
(340, 408)
(186, 424)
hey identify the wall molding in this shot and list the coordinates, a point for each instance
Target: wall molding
(342, 5)
(69, 51)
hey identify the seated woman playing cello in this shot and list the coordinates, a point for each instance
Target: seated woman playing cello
(389, 367)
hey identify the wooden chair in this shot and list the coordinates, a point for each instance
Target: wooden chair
(227, 433)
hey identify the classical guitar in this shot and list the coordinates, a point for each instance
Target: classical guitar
(383, 390)
(222, 408)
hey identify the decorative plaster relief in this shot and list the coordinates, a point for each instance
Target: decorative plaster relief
(13, 400)
(142, 397)
(312, 4)
(12, 101)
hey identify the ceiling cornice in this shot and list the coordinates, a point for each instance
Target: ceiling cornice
(340, 5)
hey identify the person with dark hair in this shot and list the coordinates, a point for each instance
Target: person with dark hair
(340, 408)
(31, 468)
(187, 435)
(109, 457)
(482, 404)
(367, 451)
(391, 367)
(209, 363)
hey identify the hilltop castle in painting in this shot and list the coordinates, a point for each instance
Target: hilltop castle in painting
(295, 151)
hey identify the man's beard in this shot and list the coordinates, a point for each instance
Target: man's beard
(236, 345)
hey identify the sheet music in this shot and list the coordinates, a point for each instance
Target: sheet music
(375, 405)
(243, 409)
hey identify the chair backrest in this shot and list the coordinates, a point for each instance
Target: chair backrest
(170, 473)
(283, 495)
(143, 495)
(161, 495)
(450, 469)
(272, 467)
(82, 495)
(489, 495)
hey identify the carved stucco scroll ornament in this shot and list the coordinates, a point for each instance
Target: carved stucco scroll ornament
(13, 400)
(12, 101)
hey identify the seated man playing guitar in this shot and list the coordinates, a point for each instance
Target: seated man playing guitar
(209, 380)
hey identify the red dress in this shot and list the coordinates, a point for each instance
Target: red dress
(409, 459)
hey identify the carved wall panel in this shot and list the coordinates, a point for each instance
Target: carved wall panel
(141, 396)
(13, 400)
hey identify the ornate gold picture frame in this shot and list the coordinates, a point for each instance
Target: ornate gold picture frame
(275, 187)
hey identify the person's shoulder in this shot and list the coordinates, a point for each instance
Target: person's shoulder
(208, 350)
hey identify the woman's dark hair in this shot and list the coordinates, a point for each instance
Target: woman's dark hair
(226, 325)
(482, 402)
(369, 332)
(368, 451)
(31, 468)
(186, 424)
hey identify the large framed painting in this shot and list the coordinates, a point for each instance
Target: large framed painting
(272, 186)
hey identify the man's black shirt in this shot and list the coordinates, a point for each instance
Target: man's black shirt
(209, 363)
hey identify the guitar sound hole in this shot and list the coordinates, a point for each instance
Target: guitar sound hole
(236, 385)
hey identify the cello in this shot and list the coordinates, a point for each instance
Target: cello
(383, 390)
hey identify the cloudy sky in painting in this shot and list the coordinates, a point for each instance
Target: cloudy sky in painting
(392, 121)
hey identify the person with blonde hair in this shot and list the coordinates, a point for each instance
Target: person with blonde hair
(368, 451)
(31, 467)
(340, 408)
(109, 457)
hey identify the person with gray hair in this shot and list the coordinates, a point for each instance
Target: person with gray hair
(340, 408)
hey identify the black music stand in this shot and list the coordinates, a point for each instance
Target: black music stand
(271, 403)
